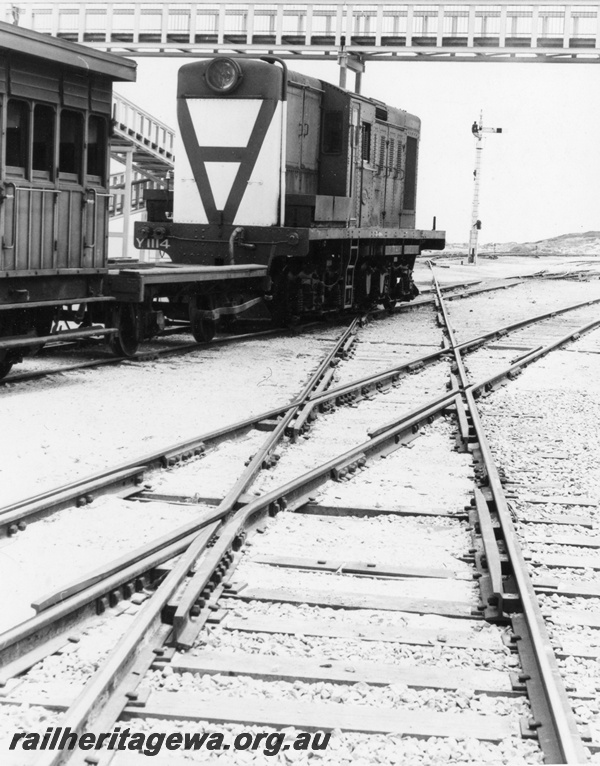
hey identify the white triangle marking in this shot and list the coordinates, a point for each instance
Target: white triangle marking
(209, 116)
(221, 176)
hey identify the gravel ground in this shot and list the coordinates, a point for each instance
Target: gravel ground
(291, 581)
(404, 478)
(348, 650)
(58, 437)
(543, 432)
(391, 341)
(488, 311)
(584, 576)
(343, 749)
(66, 427)
(33, 563)
(374, 539)
(396, 696)
(64, 675)
(213, 475)
(481, 633)
(57, 678)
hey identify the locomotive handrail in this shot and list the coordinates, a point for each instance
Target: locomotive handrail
(93, 201)
(14, 217)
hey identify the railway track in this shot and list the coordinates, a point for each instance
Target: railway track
(155, 349)
(400, 596)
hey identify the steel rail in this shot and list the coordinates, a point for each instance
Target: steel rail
(140, 356)
(146, 626)
(412, 418)
(555, 725)
(296, 492)
(489, 383)
(229, 502)
(184, 348)
(498, 598)
(224, 508)
(411, 421)
(97, 692)
(62, 614)
(466, 346)
(130, 474)
(292, 494)
(563, 744)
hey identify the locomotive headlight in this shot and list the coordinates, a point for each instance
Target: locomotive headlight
(223, 75)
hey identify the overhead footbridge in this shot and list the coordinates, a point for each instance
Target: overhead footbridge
(466, 31)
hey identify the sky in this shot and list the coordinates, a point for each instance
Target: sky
(540, 178)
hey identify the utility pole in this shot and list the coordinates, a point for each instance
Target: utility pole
(478, 130)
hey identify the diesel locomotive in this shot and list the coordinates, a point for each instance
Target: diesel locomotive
(311, 185)
(290, 196)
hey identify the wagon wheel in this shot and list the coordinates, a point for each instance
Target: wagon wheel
(5, 368)
(44, 320)
(389, 303)
(203, 327)
(127, 319)
(7, 357)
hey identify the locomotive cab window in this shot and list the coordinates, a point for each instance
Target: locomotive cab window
(17, 137)
(71, 145)
(332, 133)
(42, 159)
(96, 148)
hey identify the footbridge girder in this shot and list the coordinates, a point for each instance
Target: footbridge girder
(471, 30)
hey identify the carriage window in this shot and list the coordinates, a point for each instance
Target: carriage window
(43, 139)
(332, 132)
(71, 142)
(366, 141)
(96, 154)
(17, 133)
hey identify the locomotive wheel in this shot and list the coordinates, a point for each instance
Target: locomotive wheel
(127, 319)
(203, 327)
(5, 368)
